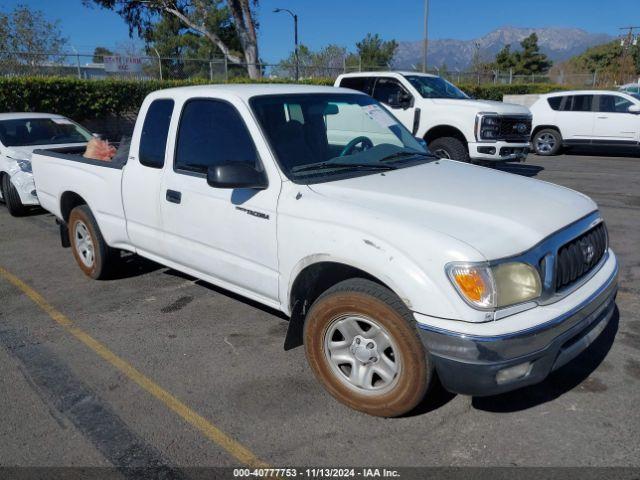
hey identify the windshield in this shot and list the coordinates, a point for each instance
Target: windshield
(41, 131)
(435, 87)
(324, 137)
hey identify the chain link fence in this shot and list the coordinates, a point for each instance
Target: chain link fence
(216, 70)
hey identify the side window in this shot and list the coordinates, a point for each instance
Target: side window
(153, 140)
(582, 103)
(362, 84)
(613, 104)
(554, 102)
(386, 89)
(211, 132)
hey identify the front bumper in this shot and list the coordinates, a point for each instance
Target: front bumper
(469, 364)
(25, 186)
(499, 151)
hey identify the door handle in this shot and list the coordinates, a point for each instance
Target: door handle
(603, 118)
(174, 196)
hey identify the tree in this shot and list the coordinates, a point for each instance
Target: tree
(375, 52)
(196, 15)
(505, 59)
(530, 60)
(527, 61)
(327, 62)
(26, 36)
(99, 54)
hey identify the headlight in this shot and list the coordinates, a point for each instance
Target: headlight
(25, 165)
(488, 288)
(488, 127)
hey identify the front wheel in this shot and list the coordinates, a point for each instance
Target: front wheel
(94, 257)
(449, 147)
(12, 198)
(547, 142)
(363, 346)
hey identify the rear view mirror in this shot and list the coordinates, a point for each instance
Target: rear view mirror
(331, 109)
(236, 175)
(634, 109)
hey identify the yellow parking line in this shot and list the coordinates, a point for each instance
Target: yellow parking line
(213, 433)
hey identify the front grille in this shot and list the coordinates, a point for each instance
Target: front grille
(515, 129)
(578, 257)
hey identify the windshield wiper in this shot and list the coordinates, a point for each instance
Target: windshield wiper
(404, 153)
(329, 165)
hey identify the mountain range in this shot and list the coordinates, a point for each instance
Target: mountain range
(557, 43)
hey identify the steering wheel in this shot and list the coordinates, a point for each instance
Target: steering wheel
(365, 141)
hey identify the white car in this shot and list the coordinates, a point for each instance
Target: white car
(393, 265)
(453, 125)
(631, 88)
(20, 134)
(585, 117)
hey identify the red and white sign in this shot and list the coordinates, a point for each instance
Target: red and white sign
(118, 64)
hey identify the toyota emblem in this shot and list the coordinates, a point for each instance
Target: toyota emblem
(588, 252)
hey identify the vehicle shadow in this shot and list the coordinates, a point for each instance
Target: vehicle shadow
(559, 382)
(34, 212)
(436, 398)
(526, 170)
(132, 265)
(633, 152)
(227, 293)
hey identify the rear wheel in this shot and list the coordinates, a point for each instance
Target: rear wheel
(547, 142)
(363, 346)
(449, 147)
(94, 257)
(12, 198)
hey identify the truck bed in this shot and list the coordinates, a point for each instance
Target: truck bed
(62, 175)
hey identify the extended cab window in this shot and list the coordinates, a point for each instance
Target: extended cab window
(362, 84)
(153, 140)
(211, 132)
(613, 104)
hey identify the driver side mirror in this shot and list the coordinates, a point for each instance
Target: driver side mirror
(400, 99)
(635, 109)
(236, 175)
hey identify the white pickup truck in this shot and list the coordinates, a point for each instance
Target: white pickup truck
(395, 267)
(453, 125)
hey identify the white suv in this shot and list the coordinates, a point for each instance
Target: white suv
(453, 124)
(584, 117)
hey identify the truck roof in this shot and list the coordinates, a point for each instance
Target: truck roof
(386, 74)
(18, 115)
(246, 91)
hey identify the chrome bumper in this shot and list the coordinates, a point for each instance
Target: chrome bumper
(469, 364)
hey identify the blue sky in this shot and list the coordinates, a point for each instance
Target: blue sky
(344, 22)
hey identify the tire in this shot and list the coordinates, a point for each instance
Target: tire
(547, 142)
(339, 336)
(11, 198)
(449, 147)
(94, 257)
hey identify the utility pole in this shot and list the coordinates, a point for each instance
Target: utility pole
(425, 43)
(295, 35)
(626, 42)
(159, 62)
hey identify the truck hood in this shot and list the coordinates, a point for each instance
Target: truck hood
(25, 152)
(484, 106)
(497, 213)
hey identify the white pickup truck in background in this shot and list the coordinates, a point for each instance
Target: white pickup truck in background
(395, 267)
(453, 125)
